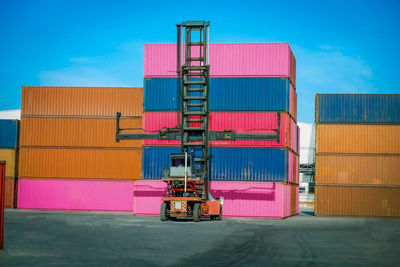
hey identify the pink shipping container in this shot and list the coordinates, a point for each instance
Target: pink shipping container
(241, 199)
(50, 194)
(239, 121)
(227, 60)
(147, 197)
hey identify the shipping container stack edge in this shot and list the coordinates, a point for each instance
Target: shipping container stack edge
(357, 155)
(68, 147)
(9, 152)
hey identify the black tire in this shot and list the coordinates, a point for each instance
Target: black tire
(196, 212)
(163, 212)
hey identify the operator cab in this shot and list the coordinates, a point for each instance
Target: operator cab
(177, 168)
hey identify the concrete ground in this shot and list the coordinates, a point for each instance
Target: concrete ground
(43, 238)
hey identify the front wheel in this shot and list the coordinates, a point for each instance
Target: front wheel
(196, 212)
(163, 212)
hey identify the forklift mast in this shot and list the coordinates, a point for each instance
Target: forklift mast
(193, 82)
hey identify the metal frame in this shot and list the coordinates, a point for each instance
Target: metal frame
(176, 134)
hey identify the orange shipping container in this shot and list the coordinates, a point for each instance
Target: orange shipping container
(81, 101)
(367, 169)
(293, 199)
(76, 132)
(9, 156)
(80, 163)
(357, 201)
(374, 139)
(9, 193)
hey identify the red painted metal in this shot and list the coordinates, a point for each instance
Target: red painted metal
(213, 207)
(242, 122)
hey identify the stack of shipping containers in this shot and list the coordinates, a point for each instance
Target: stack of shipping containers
(358, 154)
(69, 158)
(9, 131)
(250, 86)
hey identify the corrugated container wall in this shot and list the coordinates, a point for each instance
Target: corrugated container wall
(226, 94)
(47, 194)
(117, 164)
(9, 192)
(9, 133)
(357, 201)
(358, 169)
(358, 108)
(230, 163)
(9, 156)
(76, 132)
(370, 139)
(81, 101)
(241, 122)
(250, 60)
(241, 199)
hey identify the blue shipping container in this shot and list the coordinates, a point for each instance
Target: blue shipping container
(9, 134)
(226, 94)
(357, 108)
(227, 163)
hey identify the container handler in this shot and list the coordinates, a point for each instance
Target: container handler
(187, 178)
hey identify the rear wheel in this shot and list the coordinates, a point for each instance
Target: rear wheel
(163, 211)
(196, 212)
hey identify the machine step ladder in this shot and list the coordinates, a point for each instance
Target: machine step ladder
(195, 96)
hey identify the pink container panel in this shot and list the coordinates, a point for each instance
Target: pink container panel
(291, 92)
(241, 199)
(242, 122)
(46, 194)
(147, 197)
(154, 121)
(297, 169)
(287, 200)
(253, 199)
(293, 135)
(238, 121)
(249, 60)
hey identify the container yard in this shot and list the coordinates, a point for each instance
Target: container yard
(251, 150)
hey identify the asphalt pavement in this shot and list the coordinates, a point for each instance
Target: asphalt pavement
(49, 238)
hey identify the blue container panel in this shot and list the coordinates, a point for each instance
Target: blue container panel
(249, 164)
(226, 94)
(156, 159)
(160, 94)
(227, 164)
(358, 108)
(8, 134)
(249, 94)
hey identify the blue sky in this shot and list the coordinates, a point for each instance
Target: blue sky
(340, 46)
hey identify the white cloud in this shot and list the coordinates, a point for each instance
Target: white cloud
(121, 67)
(79, 76)
(328, 70)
